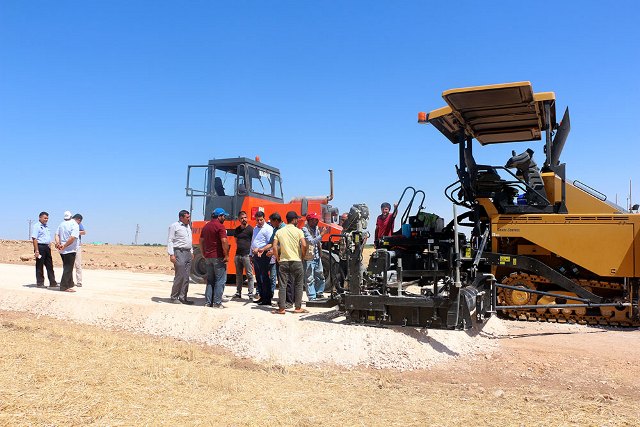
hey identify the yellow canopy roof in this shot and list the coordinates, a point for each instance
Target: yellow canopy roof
(508, 112)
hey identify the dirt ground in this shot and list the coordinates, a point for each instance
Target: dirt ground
(121, 363)
(104, 257)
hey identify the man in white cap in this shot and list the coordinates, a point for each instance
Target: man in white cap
(67, 242)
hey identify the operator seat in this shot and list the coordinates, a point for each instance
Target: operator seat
(529, 172)
(484, 179)
(218, 187)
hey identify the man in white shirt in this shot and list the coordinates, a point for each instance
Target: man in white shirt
(180, 249)
(67, 242)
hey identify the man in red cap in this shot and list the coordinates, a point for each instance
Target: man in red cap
(314, 276)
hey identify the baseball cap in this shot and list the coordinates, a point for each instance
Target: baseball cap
(291, 215)
(219, 211)
(67, 215)
(312, 215)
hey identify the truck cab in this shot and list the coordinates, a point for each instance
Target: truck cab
(229, 182)
(243, 184)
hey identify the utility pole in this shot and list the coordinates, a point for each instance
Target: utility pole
(29, 235)
(137, 234)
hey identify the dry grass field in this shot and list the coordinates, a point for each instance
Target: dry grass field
(54, 372)
(59, 373)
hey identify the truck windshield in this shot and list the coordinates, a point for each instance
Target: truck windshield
(264, 182)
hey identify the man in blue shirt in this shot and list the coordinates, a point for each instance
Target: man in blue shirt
(261, 235)
(41, 238)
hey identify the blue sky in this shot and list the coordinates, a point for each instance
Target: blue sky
(104, 104)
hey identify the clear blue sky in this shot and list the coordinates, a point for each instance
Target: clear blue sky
(104, 104)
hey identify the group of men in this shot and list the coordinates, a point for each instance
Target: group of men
(268, 253)
(276, 252)
(67, 241)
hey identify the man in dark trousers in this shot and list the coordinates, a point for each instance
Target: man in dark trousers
(288, 246)
(277, 224)
(243, 234)
(66, 239)
(180, 249)
(41, 238)
(215, 248)
(261, 235)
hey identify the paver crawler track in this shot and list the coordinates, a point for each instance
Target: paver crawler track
(613, 316)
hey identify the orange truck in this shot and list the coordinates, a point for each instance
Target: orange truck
(243, 184)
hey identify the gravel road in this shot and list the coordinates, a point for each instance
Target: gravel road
(138, 302)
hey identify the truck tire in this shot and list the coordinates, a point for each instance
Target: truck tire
(198, 267)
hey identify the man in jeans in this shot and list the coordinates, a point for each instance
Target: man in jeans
(313, 262)
(215, 248)
(243, 234)
(288, 246)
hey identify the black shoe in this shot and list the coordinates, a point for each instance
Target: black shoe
(206, 304)
(185, 301)
(258, 301)
(265, 303)
(237, 295)
(218, 305)
(288, 305)
(55, 285)
(174, 301)
(40, 285)
(319, 296)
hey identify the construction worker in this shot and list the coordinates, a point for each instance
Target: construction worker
(314, 275)
(384, 222)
